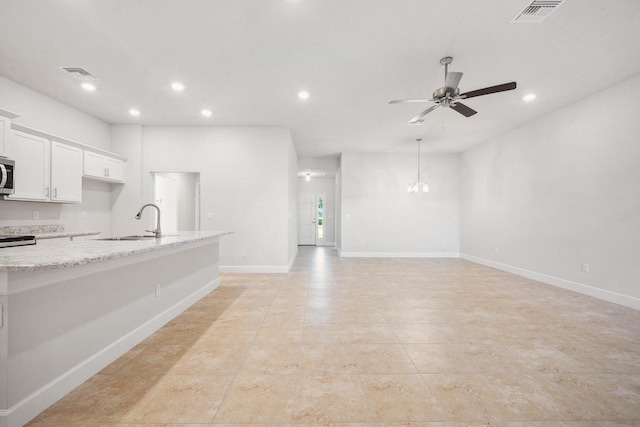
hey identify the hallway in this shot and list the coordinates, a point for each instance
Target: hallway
(375, 342)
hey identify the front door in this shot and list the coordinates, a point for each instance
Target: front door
(307, 220)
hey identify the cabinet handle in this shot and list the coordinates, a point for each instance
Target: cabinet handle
(106, 173)
(55, 192)
(46, 191)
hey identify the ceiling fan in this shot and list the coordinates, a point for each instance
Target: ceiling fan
(450, 96)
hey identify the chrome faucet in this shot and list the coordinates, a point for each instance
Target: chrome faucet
(157, 230)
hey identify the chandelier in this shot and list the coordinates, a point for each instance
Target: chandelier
(418, 186)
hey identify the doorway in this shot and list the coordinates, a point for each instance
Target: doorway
(177, 194)
(311, 219)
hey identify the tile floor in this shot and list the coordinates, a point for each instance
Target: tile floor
(375, 342)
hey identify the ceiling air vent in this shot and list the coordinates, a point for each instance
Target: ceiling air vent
(79, 73)
(537, 11)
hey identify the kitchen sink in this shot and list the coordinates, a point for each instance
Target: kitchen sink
(142, 237)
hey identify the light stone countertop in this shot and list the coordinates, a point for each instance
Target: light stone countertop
(65, 234)
(66, 253)
(43, 231)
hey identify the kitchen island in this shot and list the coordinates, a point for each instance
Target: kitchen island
(69, 309)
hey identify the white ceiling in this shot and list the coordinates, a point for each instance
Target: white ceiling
(247, 59)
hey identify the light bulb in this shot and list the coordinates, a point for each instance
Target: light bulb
(307, 177)
(425, 188)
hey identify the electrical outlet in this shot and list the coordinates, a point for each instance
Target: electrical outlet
(244, 252)
(36, 214)
(83, 215)
(158, 290)
(585, 267)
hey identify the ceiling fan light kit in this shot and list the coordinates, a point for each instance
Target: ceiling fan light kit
(449, 95)
(418, 186)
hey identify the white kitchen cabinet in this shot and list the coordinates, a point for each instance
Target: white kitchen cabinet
(32, 170)
(45, 171)
(103, 168)
(66, 173)
(5, 129)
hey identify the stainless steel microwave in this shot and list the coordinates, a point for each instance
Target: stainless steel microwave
(6, 176)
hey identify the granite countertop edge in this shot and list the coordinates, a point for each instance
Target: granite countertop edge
(68, 254)
(65, 234)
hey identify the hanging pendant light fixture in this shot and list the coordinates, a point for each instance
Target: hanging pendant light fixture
(418, 186)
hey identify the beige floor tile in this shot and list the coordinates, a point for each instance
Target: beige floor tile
(375, 342)
(185, 399)
(330, 398)
(325, 333)
(279, 333)
(414, 332)
(398, 398)
(102, 399)
(328, 358)
(272, 358)
(154, 360)
(258, 399)
(382, 359)
(208, 359)
(459, 358)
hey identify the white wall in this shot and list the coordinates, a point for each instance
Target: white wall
(48, 115)
(561, 191)
(245, 180)
(293, 203)
(127, 199)
(326, 185)
(379, 217)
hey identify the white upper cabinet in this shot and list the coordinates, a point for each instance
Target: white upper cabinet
(103, 168)
(66, 173)
(5, 128)
(32, 170)
(45, 171)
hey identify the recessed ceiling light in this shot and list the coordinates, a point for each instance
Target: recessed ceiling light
(303, 94)
(177, 86)
(206, 113)
(529, 97)
(88, 87)
(134, 112)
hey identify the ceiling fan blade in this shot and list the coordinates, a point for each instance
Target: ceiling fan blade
(419, 119)
(453, 79)
(409, 101)
(489, 90)
(463, 109)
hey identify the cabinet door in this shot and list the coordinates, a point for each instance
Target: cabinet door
(5, 131)
(94, 165)
(31, 154)
(66, 173)
(115, 169)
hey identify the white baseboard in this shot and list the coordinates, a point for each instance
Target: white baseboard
(398, 254)
(292, 260)
(603, 294)
(29, 407)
